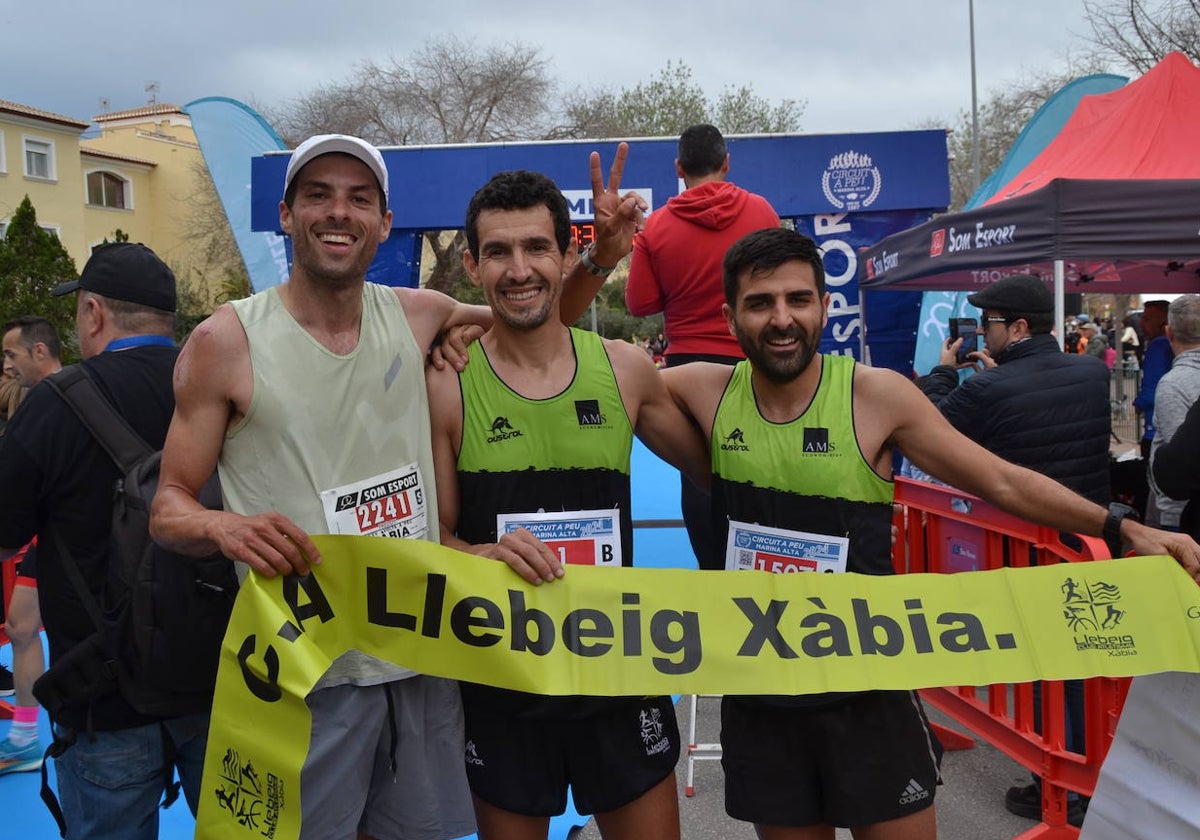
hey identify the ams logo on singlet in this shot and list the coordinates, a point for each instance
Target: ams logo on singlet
(588, 413)
(817, 442)
(502, 429)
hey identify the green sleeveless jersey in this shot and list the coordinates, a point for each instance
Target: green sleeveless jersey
(567, 452)
(804, 475)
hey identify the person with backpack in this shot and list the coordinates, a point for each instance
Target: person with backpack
(57, 482)
(33, 349)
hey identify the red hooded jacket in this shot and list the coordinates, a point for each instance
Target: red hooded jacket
(676, 264)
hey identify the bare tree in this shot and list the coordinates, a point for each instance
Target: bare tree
(449, 91)
(670, 102)
(1139, 33)
(219, 273)
(1002, 117)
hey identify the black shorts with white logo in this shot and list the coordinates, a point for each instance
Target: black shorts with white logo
(863, 760)
(609, 757)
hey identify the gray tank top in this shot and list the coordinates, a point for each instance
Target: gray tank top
(337, 443)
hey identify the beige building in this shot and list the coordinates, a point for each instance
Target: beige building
(141, 174)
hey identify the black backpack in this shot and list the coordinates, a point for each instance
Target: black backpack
(162, 615)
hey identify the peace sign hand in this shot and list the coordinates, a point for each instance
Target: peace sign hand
(617, 217)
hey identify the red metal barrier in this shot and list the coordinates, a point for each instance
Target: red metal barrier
(947, 531)
(8, 577)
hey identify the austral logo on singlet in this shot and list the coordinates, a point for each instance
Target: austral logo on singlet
(817, 442)
(589, 415)
(502, 429)
(735, 441)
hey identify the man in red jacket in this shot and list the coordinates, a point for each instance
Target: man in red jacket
(676, 270)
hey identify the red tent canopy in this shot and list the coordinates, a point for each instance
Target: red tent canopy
(1148, 129)
(1113, 202)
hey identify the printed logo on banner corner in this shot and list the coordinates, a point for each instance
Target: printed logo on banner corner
(851, 181)
(1092, 611)
(252, 801)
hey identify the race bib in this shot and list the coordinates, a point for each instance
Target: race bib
(390, 504)
(582, 537)
(781, 551)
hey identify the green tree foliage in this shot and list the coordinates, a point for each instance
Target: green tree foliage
(32, 263)
(670, 102)
(613, 319)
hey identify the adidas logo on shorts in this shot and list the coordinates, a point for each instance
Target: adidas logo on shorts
(913, 793)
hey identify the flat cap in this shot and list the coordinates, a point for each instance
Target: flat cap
(1019, 294)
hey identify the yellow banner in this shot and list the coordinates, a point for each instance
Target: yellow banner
(656, 631)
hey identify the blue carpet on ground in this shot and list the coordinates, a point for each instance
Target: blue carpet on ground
(655, 496)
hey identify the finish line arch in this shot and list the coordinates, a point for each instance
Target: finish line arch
(846, 191)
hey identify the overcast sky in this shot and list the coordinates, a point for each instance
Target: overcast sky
(872, 65)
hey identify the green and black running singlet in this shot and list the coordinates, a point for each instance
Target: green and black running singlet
(804, 475)
(808, 474)
(567, 452)
(518, 455)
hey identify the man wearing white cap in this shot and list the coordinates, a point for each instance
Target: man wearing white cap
(299, 395)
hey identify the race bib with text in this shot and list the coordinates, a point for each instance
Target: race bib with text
(780, 551)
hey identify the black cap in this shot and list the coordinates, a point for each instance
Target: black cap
(1019, 294)
(126, 271)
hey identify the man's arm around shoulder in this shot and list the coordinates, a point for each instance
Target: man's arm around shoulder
(430, 313)
(658, 421)
(213, 385)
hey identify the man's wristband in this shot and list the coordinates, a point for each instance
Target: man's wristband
(1117, 513)
(592, 268)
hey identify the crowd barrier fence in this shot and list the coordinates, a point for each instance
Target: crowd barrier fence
(946, 531)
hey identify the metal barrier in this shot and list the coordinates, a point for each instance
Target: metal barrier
(946, 531)
(1123, 388)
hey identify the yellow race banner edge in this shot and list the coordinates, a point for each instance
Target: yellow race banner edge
(656, 631)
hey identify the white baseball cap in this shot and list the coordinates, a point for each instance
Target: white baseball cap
(324, 144)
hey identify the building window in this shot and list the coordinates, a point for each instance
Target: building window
(3, 229)
(39, 158)
(3, 163)
(107, 189)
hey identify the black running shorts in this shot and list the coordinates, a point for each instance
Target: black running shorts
(858, 761)
(610, 757)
